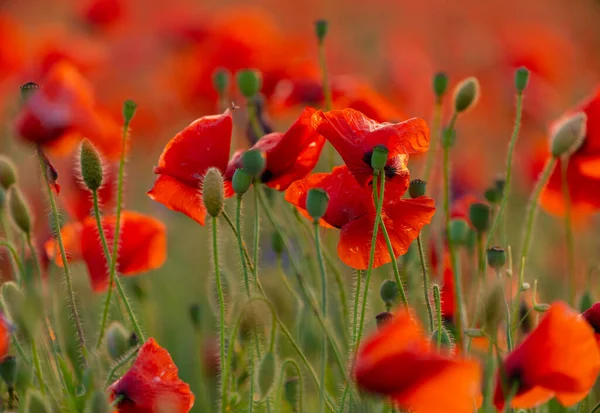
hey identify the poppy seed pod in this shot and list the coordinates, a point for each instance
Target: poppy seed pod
(316, 203)
(28, 89)
(466, 94)
(90, 163)
(129, 108)
(213, 192)
(36, 403)
(521, 78)
(568, 135)
(266, 374)
(459, 231)
(379, 158)
(321, 28)
(241, 181)
(221, 80)
(493, 195)
(389, 292)
(8, 174)
(253, 162)
(479, 215)
(383, 318)
(496, 257)
(249, 82)
(8, 371)
(440, 84)
(417, 188)
(117, 340)
(19, 210)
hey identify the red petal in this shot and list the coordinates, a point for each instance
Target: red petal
(179, 197)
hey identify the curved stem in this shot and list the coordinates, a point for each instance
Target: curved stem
(11, 248)
(256, 236)
(425, 282)
(238, 231)
(394, 264)
(570, 241)
(324, 311)
(480, 257)
(224, 367)
(293, 363)
(120, 364)
(38, 367)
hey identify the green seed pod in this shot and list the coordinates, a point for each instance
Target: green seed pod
(568, 135)
(379, 158)
(253, 162)
(196, 315)
(117, 340)
(496, 257)
(383, 319)
(19, 210)
(459, 231)
(479, 215)
(440, 84)
(466, 94)
(249, 82)
(321, 29)
(493, 195)
(241, 181)
(8, 172)
(389, 292)
(221, 80)
(97, 403)
(417, 188)
(129, 108)
(36, 403)
(277, 243)
(8, 371)
(292, 393)
(213, 192)
(586, 302)
(27, 90)
(521, 79)
(91, 166)
(266, 374)
(317, 200)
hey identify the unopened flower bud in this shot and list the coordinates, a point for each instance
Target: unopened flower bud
(440, 85)
(8, 172)
(19, 210)
(493, 195)
(129, 108)
(446, 339)
(379, 158)
(317, 200)
(383, 318)
(91, 166)
(292, 392)
(221, 80)
(196, 315)
(117, 340)
(97, 403)
(213, 193)
(321, 28)
(28, 89)
(266, 374)
(36, 403)
(277, 243)
(466, 94)
(8, 370)
(249, 82)
(417, 188)
(521, 79)
(568, 135)
(389, 292)
(253, 162)
(586, 302)
(479, 215)
(496, 257)
(241, 181)
(459, 231)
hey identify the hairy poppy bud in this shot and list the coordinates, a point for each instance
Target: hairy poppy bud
(117, 340)
(266, 374)
(321, 28)
(379, 158)
(253, 162)
(383, 318)
(91, 166)
(459, 231)
(446, 341)
(586, 302)
(28, 89)
(389, 292)
(292, 393)
(8, 370)
(36, 403)
(417, 188)
(249, 82)
(277, 243)
(196, 315)
(493, 308)
(466, 94)
(129, 108)
(440, 85)
(568, 135)
(8, 174)
(241, 181)
(479, 215)
(221, 79)
(213, 192)
(19, 210)
(97, 403)
(521, 78)
(317, 200)
(496, 257)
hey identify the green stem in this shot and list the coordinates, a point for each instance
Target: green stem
(293, 363)
(38, 366)
(596, 408)
(11, 248)
(7, 231)
(253, 118)
(438, 311)
(425, 282)
(480, 257)
(509, 162)
(120, 364)
(256, 236)
(359, 274)
(324, 311)
(507, 322)
(215, 245)
(435, 141)
(394, 264)
(238, 225)
(570, 241)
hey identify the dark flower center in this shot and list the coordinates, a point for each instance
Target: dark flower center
(390, 170)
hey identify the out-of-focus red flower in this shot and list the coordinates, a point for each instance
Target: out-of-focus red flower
(354, 136)
(352, 210)
(205, 143)
(290, 156)
(142, 246)
(560, 358)
(5, 330)
(152, 384)
(592, 316)
(102, 13)
(398, 361)
(11, 47)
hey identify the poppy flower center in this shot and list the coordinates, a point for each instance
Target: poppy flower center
(266, 176)
(389, 169)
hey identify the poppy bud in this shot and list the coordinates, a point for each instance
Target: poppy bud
(417, 188)
(97, 403)
(129, 108)
(221, 79)
(117, 340)
(568, 135)
(91, 166)
(195, 315)
(525, 286)
(379, 158)
(36, 403)
(466, 94)
(8, 370)
(496, 257)
(586, 302)
(8, 174)
(479, 215)
(317, 200)
(277, 243)
(19, 210)
(493, 308)
(266, 374)
(213, 192)
(28, 89)
(521, 78)
(459, 231)
(253, 162)
(493, 195)
(389, 292)
(446, 341)
(249, 82)
(383, 318)
(321, 28)
(292, 393)
(241, 181)
(440, 84)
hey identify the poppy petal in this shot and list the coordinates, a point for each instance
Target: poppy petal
(179, 197)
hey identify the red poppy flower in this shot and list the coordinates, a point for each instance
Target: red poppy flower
(152, 384)
(102, 13)
(560, 358)
(351, 209)
(354, 136)
(289, 156)
(5, 330)
(142, 246)
(181, 167)
(592, 316)
(398, 361)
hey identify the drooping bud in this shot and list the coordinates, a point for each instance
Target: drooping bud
(27, 90)
(97, 403)
(221, 80)
(249, 82)
(568, 135)
(129, 108)
(8, 174)
(117, 340)
(213, 193)
(36, 403)
(292, 392)
(277, 243)
(459, 231)
(479, 215)
(241, 181)
(417, 188)
(496, 257)
(389, 292)
(521, 79)
(586, 301)
(8, 370)
(266, 374)
(440, 85)
(321, 28)
(379, 158)
(317, 200)
(466, 94)
(196, 315)
(253, 162)
(383, 318)
(91, 166)
(19, 210)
